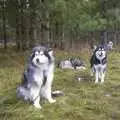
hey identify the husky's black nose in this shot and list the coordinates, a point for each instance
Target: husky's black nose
(37, 60)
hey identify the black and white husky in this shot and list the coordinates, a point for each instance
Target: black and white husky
(38, 77)
(99, 63)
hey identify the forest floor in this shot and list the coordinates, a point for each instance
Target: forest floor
(82, 100)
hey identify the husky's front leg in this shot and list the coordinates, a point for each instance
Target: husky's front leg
(96, 76)
(36, 97)
(102, 77)
(47, 87)
(36, 102)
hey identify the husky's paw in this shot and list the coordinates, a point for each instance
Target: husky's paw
(52, 100)
(102, 81)
(96, 82)
(36, 105)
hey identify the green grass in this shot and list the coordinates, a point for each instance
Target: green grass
(83, 100)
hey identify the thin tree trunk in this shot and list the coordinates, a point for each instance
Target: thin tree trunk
(56, 36)
(71, 39)
(32, 31)
(19, 23)
(45, 23)
(115, 38)
(4, 25)
(23, 40)
(17, 26)
(46, 29)
(92, 42)
(103, 37)
(62, 43)
(17, 35)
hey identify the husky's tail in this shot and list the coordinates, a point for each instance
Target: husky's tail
(57, 93)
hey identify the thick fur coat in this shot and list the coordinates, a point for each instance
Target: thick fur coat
(38, 77)
(98, 63)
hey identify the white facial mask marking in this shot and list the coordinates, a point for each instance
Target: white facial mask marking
(39, 58)
(100, 54)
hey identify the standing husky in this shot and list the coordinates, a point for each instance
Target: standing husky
(99, 63)
(38, 77)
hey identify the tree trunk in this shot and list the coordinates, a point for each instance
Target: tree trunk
(4, 24)
(103, 37)
(46, 29)
(17, 35)
(72, 39)
(62, 40)
(45, 23)
(115, 38)
(92, 38)
(19, 25)
(55, 35)
(32, 31)
(23, 28)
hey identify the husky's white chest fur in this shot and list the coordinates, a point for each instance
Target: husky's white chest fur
(99, 67)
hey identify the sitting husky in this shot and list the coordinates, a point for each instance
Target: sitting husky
(72, 63)
(99, 63)
(38, 77)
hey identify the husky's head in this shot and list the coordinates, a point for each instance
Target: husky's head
(110, 45)
(41, 55)
(100, 52)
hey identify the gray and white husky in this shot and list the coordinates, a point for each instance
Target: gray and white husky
(98, 63)
(38, 77)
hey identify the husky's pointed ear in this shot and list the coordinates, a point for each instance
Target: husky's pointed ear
(32, 52)
(50, 52)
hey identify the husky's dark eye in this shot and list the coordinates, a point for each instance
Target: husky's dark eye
(41, 53)
(36, 53)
